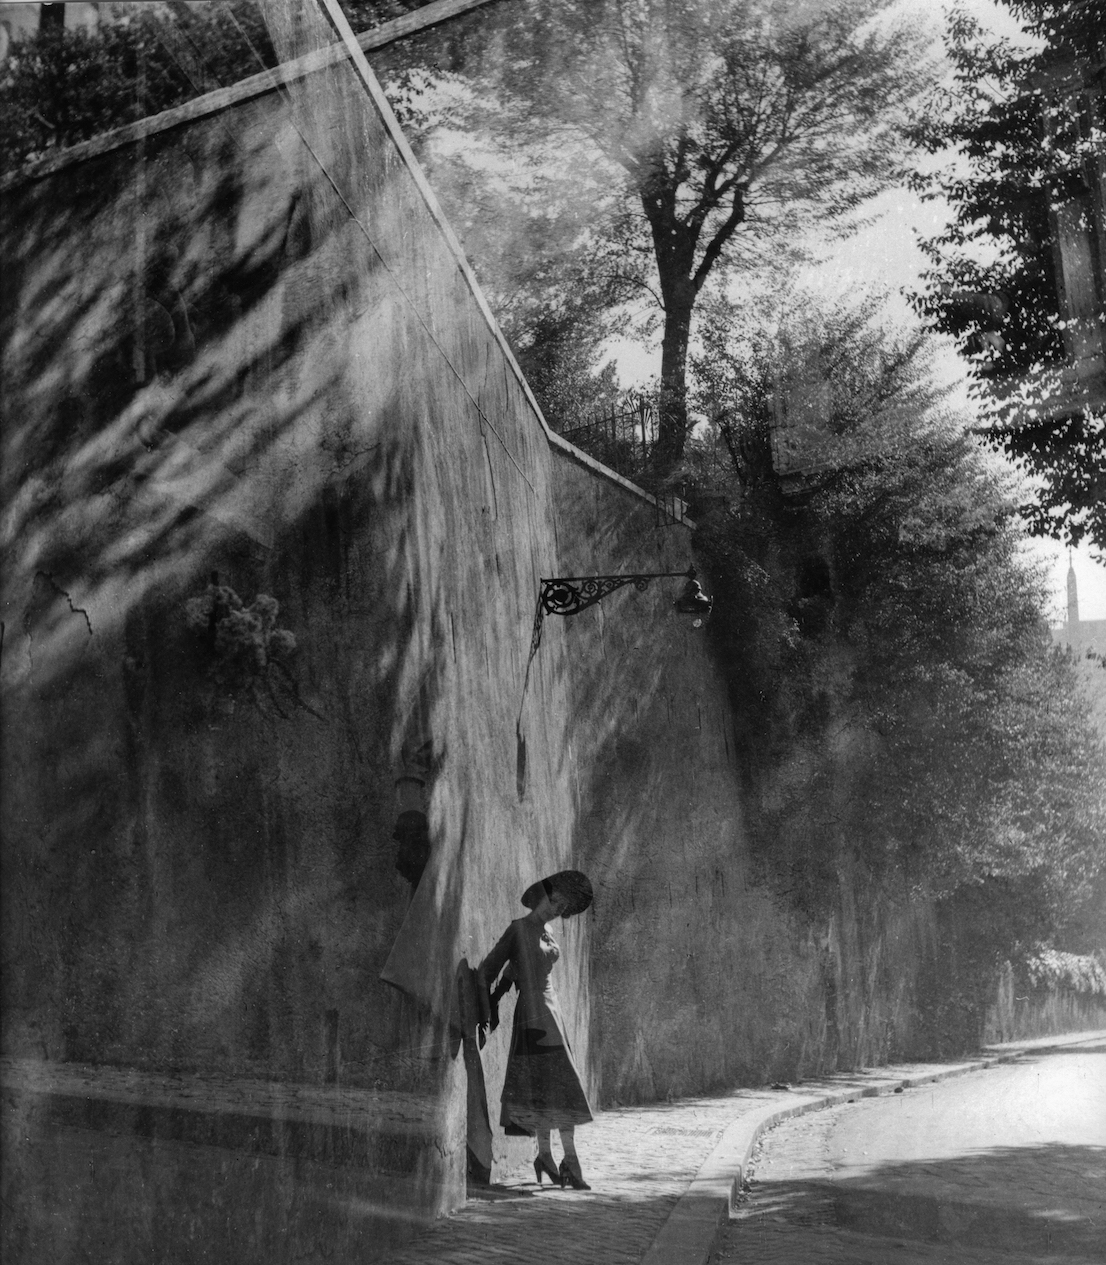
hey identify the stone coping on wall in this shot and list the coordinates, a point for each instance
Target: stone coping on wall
(247, 89)
(384, 1131)
(267, 81)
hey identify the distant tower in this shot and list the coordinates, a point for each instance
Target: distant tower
(1073, 596)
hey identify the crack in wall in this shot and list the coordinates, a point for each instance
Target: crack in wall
(76, 610)
(28, 620)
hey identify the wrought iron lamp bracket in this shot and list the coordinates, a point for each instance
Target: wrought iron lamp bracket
(569, 595)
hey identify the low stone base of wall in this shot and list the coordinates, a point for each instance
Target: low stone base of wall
(118, 1166)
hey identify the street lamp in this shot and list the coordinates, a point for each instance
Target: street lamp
(569, 595)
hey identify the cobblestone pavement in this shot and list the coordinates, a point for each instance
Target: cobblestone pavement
(639, 1161)
(822, 1190)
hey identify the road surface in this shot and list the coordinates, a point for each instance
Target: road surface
(1005, 1164)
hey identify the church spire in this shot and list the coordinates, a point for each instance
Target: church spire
(1073, 594)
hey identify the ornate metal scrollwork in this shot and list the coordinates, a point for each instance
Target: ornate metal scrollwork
(568, 595)
(576, 593)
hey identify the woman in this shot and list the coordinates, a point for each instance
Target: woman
(542, 1089)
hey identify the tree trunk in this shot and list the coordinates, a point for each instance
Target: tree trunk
(674, 244)
(679, 301)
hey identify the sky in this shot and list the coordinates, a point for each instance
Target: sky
(885, 256)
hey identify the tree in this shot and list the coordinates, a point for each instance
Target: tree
(61, 86)
(900, 708)
(1020, 153)
(527, 234)
(717, 131)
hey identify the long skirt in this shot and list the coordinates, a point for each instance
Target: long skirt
(542, 1088)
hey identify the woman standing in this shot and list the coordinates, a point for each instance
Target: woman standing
(542, 1090)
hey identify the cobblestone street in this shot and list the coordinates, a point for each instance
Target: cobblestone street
(663, 1175)
(639, 1161)
(644, 1162)
(1010, 1166)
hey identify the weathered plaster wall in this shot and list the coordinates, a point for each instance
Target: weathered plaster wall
(244, 344)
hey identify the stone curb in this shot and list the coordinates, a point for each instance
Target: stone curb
(690, 1234)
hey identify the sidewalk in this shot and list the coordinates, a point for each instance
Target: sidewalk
(663, 1176)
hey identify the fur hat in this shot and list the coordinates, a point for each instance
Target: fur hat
(571, 884)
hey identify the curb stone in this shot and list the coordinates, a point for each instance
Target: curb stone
(691, 1233)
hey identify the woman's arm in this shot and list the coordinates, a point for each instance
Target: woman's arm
(486, 972)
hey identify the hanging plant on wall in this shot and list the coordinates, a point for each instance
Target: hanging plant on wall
(246, 654)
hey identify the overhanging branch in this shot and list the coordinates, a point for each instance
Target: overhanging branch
(721, 237)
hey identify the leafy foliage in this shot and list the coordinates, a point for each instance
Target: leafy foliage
(900, 706)
(61, 86)
(245, 654)
(1075, 972)
(1016, 147)
(526, 227)
(715, 131)
(1068, 458)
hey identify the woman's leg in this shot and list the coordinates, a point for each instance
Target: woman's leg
(543, 1163)
(570, 1165)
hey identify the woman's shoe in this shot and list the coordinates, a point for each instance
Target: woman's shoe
(571, 1175)
(542, 1165)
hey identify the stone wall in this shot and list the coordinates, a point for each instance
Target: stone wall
(239, 341)
(702, 978)
(243, 345)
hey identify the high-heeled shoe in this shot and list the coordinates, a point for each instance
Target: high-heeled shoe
(571, 1175)
(542, 1165)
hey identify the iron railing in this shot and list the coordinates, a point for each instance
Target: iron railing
(621, 436)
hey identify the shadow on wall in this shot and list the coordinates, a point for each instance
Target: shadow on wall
(150, 435)
(697, 980)
(219, 839)
(268, 554)
(703, 974)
